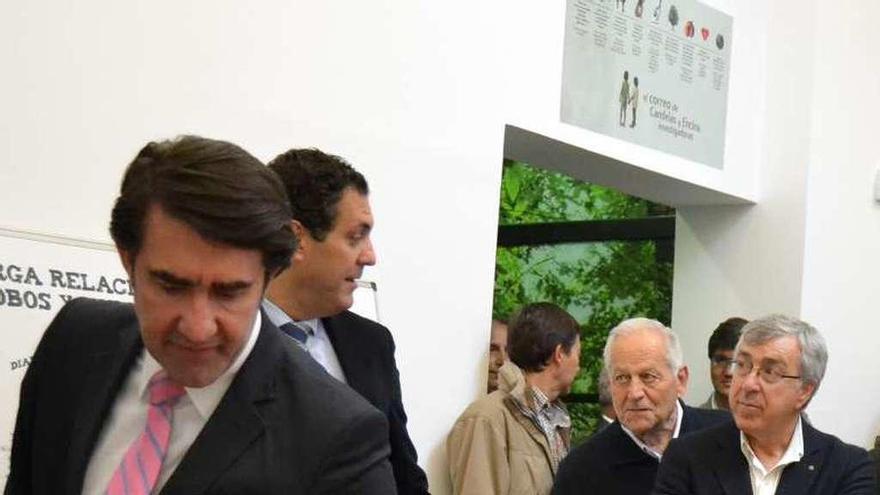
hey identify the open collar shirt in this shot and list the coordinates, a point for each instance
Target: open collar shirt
(551, 418)
(679, 413)
(765, 481)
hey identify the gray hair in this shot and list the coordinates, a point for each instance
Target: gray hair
(673, 348)
(814, 353)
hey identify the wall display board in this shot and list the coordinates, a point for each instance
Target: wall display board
(38, 274)
(651, 72)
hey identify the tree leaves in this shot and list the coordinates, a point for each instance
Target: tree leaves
(600, 284)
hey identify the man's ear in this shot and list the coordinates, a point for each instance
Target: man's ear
(303, 237)
(807, 390)
(682, 381)
(559, 355)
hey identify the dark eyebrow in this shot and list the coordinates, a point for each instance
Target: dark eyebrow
(231, 286)
(170, 279)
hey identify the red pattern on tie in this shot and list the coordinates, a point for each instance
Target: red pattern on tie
(139, 469)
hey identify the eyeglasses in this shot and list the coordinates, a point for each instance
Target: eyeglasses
(769, 375)
(721, 361)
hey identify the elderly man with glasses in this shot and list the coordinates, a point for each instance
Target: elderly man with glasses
(778, 365)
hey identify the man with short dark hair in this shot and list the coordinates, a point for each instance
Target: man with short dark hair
(191, 390)
(647, 378)
(512, 440)
(721, 345)
(769, 449)
(310, 300)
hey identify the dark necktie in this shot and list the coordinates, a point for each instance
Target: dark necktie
(296, 332)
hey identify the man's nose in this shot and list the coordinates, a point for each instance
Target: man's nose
(751, 382)
(636, 390)
(728, 371)
(197, 323)
(367, 256)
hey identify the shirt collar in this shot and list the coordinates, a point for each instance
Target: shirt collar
(540, 400)
(278, 317)
(552, 411)
(679, 413)
(793, 453)
(205, 399)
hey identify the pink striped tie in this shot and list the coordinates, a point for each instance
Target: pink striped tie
(139, 469)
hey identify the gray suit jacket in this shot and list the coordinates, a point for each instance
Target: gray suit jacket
(284, 425)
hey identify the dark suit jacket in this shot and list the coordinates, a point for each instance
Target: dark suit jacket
(712, 463)
(366, 352)
(284, 425)
(610, 463)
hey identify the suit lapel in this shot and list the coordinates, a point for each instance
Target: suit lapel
(730, 464)
(690, 420)
(236, 423)
(105, 373)
(354, 361)
(797, 477)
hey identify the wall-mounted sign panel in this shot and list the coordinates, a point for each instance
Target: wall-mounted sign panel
(651, 72)
(37, 276)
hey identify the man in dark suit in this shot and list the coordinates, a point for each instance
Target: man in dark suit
(191, 390)
(647, 379)
(333, 221)
(778, 364)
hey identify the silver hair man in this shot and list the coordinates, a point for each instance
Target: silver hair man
(814, 353)
(626, 327)
(769, 448)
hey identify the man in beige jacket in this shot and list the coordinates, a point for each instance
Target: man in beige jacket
(512, 441)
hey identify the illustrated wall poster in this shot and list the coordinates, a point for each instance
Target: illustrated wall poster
(651, 72)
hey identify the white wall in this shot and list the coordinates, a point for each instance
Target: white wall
(841, 266)
(809, 247)
(748, 261)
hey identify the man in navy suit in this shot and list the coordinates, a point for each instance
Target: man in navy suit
(778, 364)
(332, 220)
(647, 379)
(191, 390)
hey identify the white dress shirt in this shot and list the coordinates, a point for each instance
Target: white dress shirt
(765, 481)
(318, 344)
(128, 418)
(679, 413)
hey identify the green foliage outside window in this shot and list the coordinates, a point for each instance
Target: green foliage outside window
(599, 283)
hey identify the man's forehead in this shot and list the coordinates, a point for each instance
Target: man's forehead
(783, 349)
(354, 205)
(499, 330)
